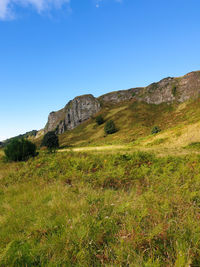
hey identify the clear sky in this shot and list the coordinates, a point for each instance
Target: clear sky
(54, 50)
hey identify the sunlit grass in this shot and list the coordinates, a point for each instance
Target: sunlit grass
(100, 209)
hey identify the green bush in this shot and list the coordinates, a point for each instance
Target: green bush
(110, 127)
(20, 150)
(50, 140)
(155, 130)
(99, 120)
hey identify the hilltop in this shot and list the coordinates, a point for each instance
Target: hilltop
(172, 104)
(81, 108)
(117, 205)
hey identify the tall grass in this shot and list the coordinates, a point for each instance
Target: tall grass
(84, 209)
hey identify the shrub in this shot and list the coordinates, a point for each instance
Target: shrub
(20, 150)
(50, 140)
(110, 127)
(155, 130)
(99, 120)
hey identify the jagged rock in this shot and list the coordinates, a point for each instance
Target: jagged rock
(119, 96)
(74, 113)
(172, 89)
(83, 107)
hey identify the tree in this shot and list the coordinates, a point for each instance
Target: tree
(20, 150)
(99, 120)
(155, 130)
(50, 140)
(110, 127)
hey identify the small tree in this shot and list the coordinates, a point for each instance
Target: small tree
(110, 127)
(50, 140)
(20, 150)
(99, 120)
(155, 130)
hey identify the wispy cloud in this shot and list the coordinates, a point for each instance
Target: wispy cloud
(7, 6)
(98, 2)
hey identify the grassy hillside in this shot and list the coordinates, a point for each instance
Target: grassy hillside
(88, 209)
(113, 206)
(179, 124)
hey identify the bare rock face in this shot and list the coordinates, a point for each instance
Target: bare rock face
(74, 113)
(172, 89)
(120, 96)
(84, 107)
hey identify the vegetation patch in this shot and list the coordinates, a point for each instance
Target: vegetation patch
(155, 130)
(87, 209)
(194, 145)
(158, 142)
(174, 90)
(20, 150)
(110, 127)
(99, 119)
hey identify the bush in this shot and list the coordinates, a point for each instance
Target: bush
(99, 120)
(110, 127)
(50, 140)
(20, 150)
(155, 130)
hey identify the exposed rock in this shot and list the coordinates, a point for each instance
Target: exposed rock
(83, 107)
(119, 96)
(172, 89)
(75, 112)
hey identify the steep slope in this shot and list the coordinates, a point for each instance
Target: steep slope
(74, 113)
(168, 90)
(134, 120)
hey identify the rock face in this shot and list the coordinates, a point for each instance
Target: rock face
(74, 113)
(83, 107)
(119, 96)
(172, 89)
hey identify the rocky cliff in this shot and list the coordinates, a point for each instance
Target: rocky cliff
(83, 107)
(74, 113)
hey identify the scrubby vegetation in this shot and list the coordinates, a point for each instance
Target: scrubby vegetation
(86, 209)
(50, 140)
(174, 90)
(30, 134)
(20, 150)
(99, 119)
(155, 130)
(110, 127)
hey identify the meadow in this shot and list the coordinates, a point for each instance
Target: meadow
(100, 209)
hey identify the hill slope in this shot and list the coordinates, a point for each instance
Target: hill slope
(81, 108)
(134, 120)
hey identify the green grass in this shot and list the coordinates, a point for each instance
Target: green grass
(135, 121)
(108, 206)
(194, 145)
(89, 209)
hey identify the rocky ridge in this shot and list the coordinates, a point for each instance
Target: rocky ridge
(83, 107)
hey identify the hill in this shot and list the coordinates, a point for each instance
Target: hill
(134, 201)
(29, 134)
(81, 108)
(172, 104)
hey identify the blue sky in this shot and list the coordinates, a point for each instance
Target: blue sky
(54, 50)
